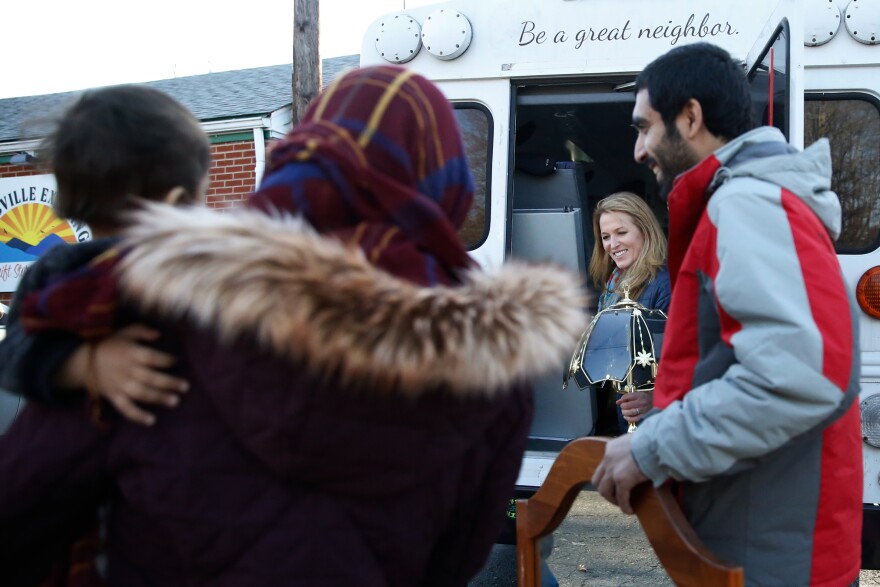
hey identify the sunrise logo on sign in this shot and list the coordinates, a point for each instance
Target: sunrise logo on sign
(28, 230)
(29, 227)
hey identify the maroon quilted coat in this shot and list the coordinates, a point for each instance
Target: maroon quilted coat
(358, 406)
(344, 427)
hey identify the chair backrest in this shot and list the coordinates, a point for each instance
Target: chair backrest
(687, 561)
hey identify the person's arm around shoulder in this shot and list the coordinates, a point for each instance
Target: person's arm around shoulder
(124, 370)
(24, 358)
(54, 366)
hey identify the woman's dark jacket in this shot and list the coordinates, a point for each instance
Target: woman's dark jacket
(655, 295)
(343, 427)
(657, 292)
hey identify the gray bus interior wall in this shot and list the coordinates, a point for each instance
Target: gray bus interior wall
(549, 224)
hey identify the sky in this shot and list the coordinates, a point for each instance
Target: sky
(61, 45)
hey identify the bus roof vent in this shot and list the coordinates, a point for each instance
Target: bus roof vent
(821, 22)
(446, 34)
(863, 21)
(399, 38)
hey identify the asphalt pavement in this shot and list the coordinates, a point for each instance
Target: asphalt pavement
(597, 546)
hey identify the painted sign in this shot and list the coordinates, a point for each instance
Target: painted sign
(28, 226)
(527, 37)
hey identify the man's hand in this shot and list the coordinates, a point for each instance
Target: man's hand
(618, 473)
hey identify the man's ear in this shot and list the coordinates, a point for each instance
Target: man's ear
(174, 195)
(690, 120)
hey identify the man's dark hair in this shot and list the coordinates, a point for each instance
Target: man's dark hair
(117, 145)
(707, 74)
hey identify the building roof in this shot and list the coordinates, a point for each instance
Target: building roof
(210, 96)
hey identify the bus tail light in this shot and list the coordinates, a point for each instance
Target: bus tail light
(868, 292)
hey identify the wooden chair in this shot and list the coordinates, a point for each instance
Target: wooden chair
(687, 561)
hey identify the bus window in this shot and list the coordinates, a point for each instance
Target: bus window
(476, 130)
(852, 124)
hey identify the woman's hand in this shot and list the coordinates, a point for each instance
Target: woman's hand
(127, 372)
(635, 405)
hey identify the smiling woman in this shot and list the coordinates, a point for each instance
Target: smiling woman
(628, 258)
(621, 238)
(629, 253)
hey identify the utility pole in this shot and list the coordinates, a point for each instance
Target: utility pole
(306, 81)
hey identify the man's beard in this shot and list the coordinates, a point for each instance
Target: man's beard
(666, 187)
(675, 158)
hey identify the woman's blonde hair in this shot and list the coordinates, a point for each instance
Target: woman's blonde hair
(653, 253)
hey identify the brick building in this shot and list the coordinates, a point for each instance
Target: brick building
(239, 110)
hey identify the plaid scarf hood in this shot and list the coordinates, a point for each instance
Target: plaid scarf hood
(378, 162)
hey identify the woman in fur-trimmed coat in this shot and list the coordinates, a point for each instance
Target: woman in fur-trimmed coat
(358, 406)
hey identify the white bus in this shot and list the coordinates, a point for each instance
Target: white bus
(543, 90)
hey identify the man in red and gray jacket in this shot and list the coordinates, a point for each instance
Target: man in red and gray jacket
(757, 415)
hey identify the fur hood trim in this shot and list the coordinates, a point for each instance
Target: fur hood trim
(309, 297)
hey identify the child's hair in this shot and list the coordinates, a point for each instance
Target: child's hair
(115, 146)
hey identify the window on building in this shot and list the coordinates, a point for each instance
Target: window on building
(852, 124)
(476, 130)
